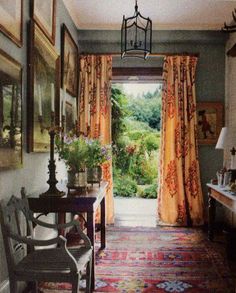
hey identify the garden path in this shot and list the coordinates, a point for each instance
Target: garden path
(135, 212)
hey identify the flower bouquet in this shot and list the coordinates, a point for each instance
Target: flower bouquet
(97, 155)
(73, 151)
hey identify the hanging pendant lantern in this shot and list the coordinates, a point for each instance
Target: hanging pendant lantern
(136, 36)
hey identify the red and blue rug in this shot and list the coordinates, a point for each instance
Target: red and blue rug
(158, 260)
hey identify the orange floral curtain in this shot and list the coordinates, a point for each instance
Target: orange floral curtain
(95, 111)
(180, 200)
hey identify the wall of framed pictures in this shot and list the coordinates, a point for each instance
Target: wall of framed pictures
(14, 140)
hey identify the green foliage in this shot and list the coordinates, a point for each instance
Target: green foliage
(73, 151)
(151, 142)
(125, 186)
(136, 140)
(97, 154)
(147, 108)
(149, 191)
(119, 113)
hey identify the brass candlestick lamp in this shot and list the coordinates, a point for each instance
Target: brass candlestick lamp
(52, 181)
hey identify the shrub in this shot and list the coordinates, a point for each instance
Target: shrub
(151, 142)
(125, 186)
(147, 192)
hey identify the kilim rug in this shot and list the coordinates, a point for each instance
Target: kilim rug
(158, 260)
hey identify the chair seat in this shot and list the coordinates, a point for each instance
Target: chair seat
(51, 261)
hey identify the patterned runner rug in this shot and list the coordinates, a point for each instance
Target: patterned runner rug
(158, 260)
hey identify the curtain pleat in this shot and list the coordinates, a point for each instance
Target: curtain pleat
(95, 111)
(180, 200)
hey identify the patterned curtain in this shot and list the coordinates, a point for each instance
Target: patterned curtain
(180, 200)
(95, 111)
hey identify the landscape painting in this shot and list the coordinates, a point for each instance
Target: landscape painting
(10, 112)
(44, 88)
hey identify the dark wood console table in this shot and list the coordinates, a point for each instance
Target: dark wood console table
(77, 203)
(224, 197)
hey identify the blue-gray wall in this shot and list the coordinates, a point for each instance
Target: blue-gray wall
(33, 175)
(210, 79)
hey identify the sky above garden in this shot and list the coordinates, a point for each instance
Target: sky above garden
(139, 88)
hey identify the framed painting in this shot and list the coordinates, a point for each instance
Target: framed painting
(43, 89)
(44, 14)
(10, 112)
(11, 12)
(209, 121)
(69, 111)
(69, 66)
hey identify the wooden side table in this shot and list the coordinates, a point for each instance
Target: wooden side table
(82, 203)
(224, 197)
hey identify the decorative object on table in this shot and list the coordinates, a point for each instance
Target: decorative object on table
(10, 112)
(69, 63)
(73, 151)
(52, 181)
(11, 12)
(43, 89)
(220, 177)
(136, 35)
(209, 121)
(44, 14)
(97, 155)
(226, 140)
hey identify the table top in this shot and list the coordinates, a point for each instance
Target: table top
(87, 202)
(224, 196)
(223, 190)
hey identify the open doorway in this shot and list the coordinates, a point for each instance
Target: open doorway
(136, 118)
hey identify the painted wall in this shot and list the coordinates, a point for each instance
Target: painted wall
(210, 78)
(230, 111)
(33, 175)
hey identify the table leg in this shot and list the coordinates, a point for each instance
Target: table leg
(103, 224)
(61, 220)
(211, 216)
(91, 235)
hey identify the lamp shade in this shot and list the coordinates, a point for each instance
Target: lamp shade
(221, 143)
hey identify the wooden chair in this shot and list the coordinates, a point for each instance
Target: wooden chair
(56, 263)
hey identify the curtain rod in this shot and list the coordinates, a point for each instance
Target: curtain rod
(151, 55)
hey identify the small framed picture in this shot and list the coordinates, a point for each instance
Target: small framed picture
(11, 12)
(69, 111)
(10, 112)
(69, 60)
(209, 121)
(44, 14)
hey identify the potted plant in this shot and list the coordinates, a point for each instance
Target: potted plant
(97, 155)
(73, 151)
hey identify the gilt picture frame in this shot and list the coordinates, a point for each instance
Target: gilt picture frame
(44, 14)
(43, 89)
(10, 113)
(11, 20)
(209, 122)
(69, 63)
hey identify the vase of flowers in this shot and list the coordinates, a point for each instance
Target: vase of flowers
(73, 151)
(97, 155)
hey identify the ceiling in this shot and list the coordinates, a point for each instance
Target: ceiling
(165, 14)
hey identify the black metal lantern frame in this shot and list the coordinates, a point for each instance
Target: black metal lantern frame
(136, 36)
